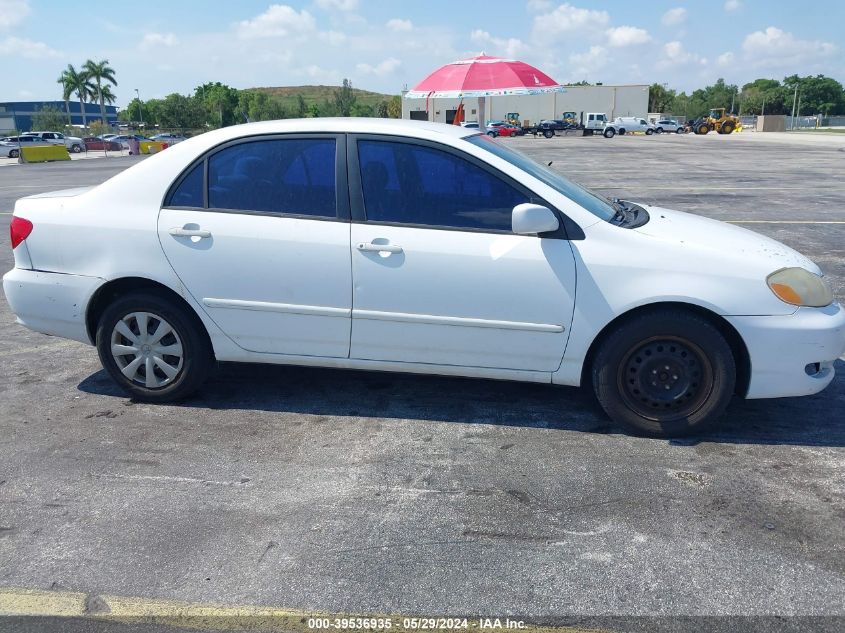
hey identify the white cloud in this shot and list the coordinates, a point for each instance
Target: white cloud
(774, 47)
(725, 59)
(279, 20)
(674, 54)
(568, 19)
(673, 17)
(16, 46)
(619, 36)
(338, 5)
(157, 40)
(335, 38)
(386, 67)
(733, 5)
(582, 65)
(13, 12)
(397, 24)
(510, 47)
(539, 5)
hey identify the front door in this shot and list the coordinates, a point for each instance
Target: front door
(264, 249)
(438, 275)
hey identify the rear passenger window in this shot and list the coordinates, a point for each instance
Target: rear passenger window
(189, 191)
(295, 176)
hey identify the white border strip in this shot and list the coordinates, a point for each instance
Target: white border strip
(430, 319)
(266, 306)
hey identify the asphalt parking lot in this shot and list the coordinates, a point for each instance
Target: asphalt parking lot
(352, 492)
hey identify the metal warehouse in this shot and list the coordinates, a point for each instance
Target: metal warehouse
(614, 101)
(17, 115)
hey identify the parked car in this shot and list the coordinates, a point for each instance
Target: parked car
(98, 144)
(25, 140)
(9, 150)
(668, 125)
(504, 129)
(169, 138)
(73, 143)
(123, 139)
(431, 214)
(626, 124)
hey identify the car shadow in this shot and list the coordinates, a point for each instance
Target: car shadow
(809, 421)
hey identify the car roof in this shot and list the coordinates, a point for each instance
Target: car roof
(352, 125)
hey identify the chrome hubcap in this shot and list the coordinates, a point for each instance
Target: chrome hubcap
(147, 349)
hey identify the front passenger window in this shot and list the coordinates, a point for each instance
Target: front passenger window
(405, 183)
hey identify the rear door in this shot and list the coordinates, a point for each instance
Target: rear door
(258, 233)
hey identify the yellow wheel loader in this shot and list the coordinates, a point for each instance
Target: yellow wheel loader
(716, 120)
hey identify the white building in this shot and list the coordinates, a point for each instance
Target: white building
(614, 101)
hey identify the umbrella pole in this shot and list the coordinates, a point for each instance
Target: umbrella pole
(482, 116)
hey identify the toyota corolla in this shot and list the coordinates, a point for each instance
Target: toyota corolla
(416, 247)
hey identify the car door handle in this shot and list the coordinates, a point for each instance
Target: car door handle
(177, 232)
(379, 248)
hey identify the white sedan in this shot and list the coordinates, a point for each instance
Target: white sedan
(416, 247)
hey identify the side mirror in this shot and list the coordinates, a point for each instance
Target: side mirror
(531, 219)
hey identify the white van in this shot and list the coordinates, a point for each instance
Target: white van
(623, 124)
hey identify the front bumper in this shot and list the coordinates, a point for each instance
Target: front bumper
(781, 347)
(51, 303)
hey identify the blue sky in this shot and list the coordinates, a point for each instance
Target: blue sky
(382, 45)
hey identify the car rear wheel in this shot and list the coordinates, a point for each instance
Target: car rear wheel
(649, 132)
(622, 131)
(659, 130)
(153, 348)
(13, 153)
(664, 373)
(76, 148)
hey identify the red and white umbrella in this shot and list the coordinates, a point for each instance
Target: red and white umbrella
(484, 76)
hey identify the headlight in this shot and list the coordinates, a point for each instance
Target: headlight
(800, 287)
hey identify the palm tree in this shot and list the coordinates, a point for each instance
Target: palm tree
(101, 73)
(78, 82)
(67, 89)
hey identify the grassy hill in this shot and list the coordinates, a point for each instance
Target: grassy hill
(287, 95)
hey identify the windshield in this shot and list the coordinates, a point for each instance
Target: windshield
(592, 202)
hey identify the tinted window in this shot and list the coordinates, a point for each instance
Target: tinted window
(412, 184)
(189, 191)
(275, 176)
(592, 202)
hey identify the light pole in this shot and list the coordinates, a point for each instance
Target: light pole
(140, 112)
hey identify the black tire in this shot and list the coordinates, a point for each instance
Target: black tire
(659, 130)
(702, 129)
(197, 357)
(685, 399)
(621, 131)
(649, 132)
(727, 128)
(76, 148)
(13, 153)
(679, 130)
(493, 134)
(609, 133)
(548, 133)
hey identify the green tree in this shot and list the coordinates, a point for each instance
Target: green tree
(259, 106)
(818, 94)
(381, 109)
(394, 107)
(660, 98)
(301, 108)
(345, 99)
(220, 102)
(362, 109)
(48, 119)
(67, 91)
(313, 110)
(179, 111)
(101, 74)
(81, 84)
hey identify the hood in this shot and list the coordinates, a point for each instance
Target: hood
(62, 193)
(725, 240)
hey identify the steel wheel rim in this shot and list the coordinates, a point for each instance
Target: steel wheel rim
(147, 349)
(665, 378)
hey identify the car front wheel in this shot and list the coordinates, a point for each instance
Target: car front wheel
(13, 153)
(609, 133)
(76, 148)
(664, 373)
(153, 348)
